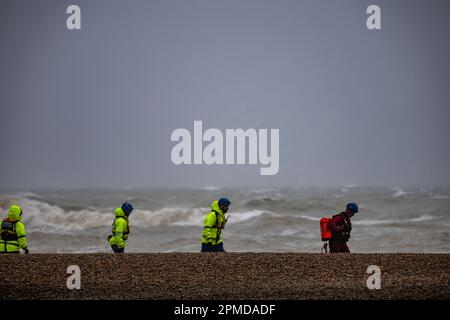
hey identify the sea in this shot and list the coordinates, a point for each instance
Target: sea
(390, 219)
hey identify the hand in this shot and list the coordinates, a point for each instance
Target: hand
(26, 251)
(225, 221)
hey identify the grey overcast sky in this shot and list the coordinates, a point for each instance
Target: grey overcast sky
(96, 107)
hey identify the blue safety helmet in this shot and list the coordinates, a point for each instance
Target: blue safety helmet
(224, 201)
(352, 206)
(127, 208)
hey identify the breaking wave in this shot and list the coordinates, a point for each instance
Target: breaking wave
(45, 217)
(400, 193)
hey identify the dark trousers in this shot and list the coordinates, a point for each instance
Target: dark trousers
(338, 246)
(116, 249)
(209, 247)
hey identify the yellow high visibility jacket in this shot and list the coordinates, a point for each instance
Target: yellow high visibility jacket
(213, 225)
(120, 229)
(12, 231)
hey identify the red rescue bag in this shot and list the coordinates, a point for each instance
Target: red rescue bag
(324, 229)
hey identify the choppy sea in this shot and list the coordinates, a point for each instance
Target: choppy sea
(278, 220)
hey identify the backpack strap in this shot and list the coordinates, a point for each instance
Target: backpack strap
(219, 229)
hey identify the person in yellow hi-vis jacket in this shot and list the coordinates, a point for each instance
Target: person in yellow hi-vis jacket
(213, 225)
(121, 229)
(12, 230)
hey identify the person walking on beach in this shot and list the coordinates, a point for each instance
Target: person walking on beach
(340, 227)
(213, 225)
(120, 229)
(12, 230)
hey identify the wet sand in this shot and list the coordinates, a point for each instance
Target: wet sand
(225, 276)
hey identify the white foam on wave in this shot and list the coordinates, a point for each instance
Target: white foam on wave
(346, 188)
(309, 218)
(289, 232)
(236, 217)
(399, 192)
(170, 216)
(44, 217)
(378, 222)
(211, 188)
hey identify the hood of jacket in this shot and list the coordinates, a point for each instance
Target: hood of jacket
(14, 212)
(119, 213)
(215, 207)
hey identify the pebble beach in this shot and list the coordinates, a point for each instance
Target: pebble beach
(210, 276)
